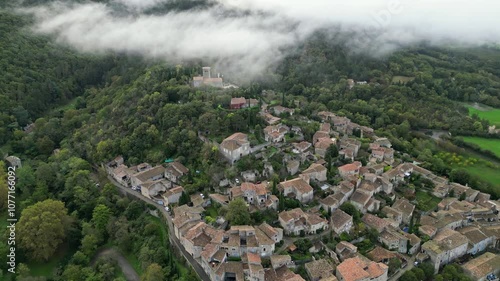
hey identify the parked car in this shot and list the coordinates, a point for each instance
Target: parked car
(160, 202)
(202, 196)
(167, 209)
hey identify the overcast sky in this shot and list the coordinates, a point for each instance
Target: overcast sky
(260, 38)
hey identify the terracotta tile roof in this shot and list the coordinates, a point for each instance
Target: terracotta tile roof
(428, 230)
(313, 219)
(232, 267)
(483, 265)
(404, 206)
(339, 218)
(357, 269)
(330, 200)
(298, 184)
(319, 268)
(238, 101)
(148, 174)
(175, 190)
(179, 167)
(234, 141)
(350, 167)
(473, 234)
(268, 230)
(360, 197)
(320, 134)
(379, 254)
(375, 222)
(323, 143)
(314, 168)
(293, 214)
(219, 198)
(236, 191)
(281, 274)
(209, 251)
(262, 238)
(345, 245)
(303, 145)
(252, 258)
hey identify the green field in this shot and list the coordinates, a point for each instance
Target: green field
(426, 202)
(488, 174)
(492, 115)
(492, 145)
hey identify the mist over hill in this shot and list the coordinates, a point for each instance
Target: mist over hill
(250, 36)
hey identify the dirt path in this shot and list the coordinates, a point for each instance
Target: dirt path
(125, 266)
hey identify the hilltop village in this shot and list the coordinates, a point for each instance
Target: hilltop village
(344, 206)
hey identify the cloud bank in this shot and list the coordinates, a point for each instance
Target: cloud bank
(247, 36)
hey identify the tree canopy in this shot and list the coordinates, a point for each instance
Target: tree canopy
(42, 228)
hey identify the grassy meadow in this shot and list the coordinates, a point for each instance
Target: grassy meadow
(490, 114)
(492, 145)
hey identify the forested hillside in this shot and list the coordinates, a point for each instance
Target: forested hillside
(36, 75)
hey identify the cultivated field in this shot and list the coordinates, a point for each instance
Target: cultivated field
(490, 114)
(492, 145)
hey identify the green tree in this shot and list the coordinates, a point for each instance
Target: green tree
(408, 276)
(351, 210)
(42, 228)
(26, 180)
(90, 243)
(184, 199)
(237, 212)
(460, 175)
(154, 272)
(428, 269)
(100, 216)
(3, 187)
(394, 265)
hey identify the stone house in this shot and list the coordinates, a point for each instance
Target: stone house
(297, 188)
(487, 264)
(275, 133)
(294, 221)
(341, 222)
(151, 189)
(350, 169)
(150, 175)
(345, 250)
(322, 145)
(405, 207)
(393, 214)
(175, 171)
(394, 240)
(319, 269)
(235, 146)
(173, 195)
(446, 246)
(242, 239)
(361, 269)
(479, 239)
(316, 172)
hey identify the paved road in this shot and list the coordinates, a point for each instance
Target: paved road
(126, 267)
(174, 241)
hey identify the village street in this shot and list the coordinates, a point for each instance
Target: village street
(173, 240)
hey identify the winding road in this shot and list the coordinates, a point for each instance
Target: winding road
(173, 240)
(126, 267)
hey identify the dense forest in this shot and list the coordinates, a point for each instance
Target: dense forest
(86, 109)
